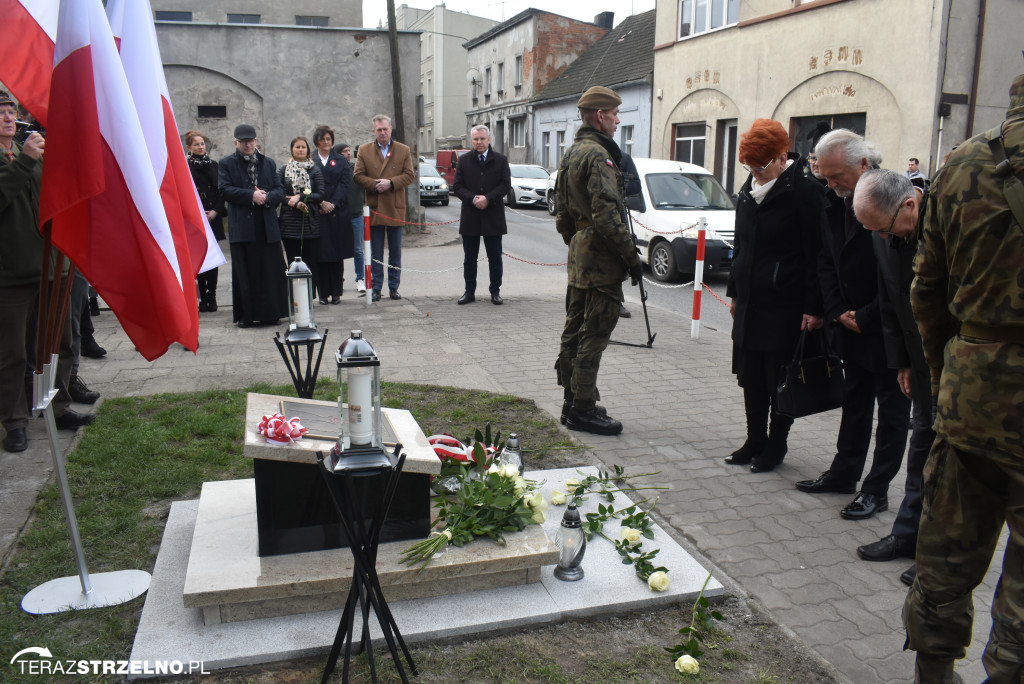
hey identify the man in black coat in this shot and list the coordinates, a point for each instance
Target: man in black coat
(849, 286)
(482, 179)
(889, 204)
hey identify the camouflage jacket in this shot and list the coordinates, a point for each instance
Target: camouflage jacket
(968, 297)
(590, 211)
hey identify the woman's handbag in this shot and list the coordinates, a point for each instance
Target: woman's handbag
(810, 385)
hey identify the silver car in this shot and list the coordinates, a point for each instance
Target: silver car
(433, 186)
(529, 185)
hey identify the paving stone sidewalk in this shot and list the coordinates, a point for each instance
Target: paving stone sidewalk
(681, 408)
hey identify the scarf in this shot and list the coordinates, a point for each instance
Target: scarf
(251, 166)
(758, 192)
(296, 173)
(196, 160)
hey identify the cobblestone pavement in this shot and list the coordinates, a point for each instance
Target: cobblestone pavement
(681, 408)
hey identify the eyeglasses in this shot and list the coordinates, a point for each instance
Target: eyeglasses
(893, 222)
(759, 169)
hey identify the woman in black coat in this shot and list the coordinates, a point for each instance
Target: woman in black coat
(204, 175)
(300, 213)
(773, 283)
(335, 226)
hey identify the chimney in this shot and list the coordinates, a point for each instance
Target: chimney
(605, 20)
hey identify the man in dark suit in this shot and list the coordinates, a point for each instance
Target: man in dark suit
(482, 179)
(848, 272)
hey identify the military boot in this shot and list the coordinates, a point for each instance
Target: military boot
(590, 420)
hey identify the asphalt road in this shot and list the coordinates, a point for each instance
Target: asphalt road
(532, 237)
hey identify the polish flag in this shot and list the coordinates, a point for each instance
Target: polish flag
(100, 192)
(26, 52)
(132, 25)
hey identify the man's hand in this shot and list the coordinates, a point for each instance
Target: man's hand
(732, 307)
(34, 145)
(810, 322)
(903, 377)
(259, 197)
(480, 202)
(383, 185)
(636, 272)
(849, 320)
(326, 207)
(210, 215)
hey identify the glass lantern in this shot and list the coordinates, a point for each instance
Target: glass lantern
(571, 541)
(359, 400)
(301, 324)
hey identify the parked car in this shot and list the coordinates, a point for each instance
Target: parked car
(447, 160)
(549, 193)
(529, 185)
(674, 196)
(433, 187)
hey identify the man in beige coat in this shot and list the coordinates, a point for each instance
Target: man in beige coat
(384, 170)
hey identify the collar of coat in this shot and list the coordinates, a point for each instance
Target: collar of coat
(602, 139)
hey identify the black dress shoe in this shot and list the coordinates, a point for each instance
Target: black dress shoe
(909, 575)
(203, 306)
(394, 294)
(375, 297)
(624, 312)
(91, 349)
(466, 298)
(497, 300)
(827, 482)
(323, 301)
(16, 440)
(887, 549)
(592, 421)
(243, 324)
(80, 392)
(746, 453)
(335, 300)
(864, 506)
(72, 420)
(567, 406)
(211, 304)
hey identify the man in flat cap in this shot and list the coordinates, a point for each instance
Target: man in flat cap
(601, 253)
(968, 298)
(252, 190)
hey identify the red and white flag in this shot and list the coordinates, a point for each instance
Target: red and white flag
(26, 52)
(132, 25)
(101, 194)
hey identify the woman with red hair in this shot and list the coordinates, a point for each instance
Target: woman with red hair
(773, 283)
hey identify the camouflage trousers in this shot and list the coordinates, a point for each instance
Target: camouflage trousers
(590, 318)
(966, 498)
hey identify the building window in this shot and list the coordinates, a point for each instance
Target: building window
(627, 140)
(487, 82)
(519, 72)
(701, 16)
(501, 77)
(559, 146)
(519, 132)
(689, 143)
(243, 18)
(545, 149)
(307, 20)
(212, 112)
(163, 15)
(801, 128)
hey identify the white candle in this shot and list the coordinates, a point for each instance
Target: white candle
(300, 299)
(360, 406)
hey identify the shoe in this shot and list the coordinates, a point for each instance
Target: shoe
(864, 506)
(80, 393)
(745, 454)
(335, 300)
(16, 440)
(497, 300)
(91, 349)
(827, 482)
(887, 549)
(394, 294)
(72, 420)
(466, 298)
(323, 301)
(624, 312)
(360, 286)
(567, 406)
(772, 455)
(211, 304)
(592, 421)
(244, 324)
(766, 466)
(203, 306)
(909, 575)
(94, 306)
(376, 296)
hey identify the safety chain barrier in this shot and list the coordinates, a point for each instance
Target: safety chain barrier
(413, 223)
(546, 218)
(662, 232)
(712, 292)
(664, 286)
(533, 263)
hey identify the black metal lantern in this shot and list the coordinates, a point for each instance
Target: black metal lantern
(572, 544)
(301, 323)
(361, 439)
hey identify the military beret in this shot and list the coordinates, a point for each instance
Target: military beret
(5, 99)
(245, 132)
(1017, 94)
(599, 97)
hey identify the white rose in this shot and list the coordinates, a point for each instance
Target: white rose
(658, 581)
(537, 502)
(538, 516)
(510, 471)
(687, 665)
(630, 535)
(571, 484)
(521, 485)
(558, 498)
(495, 469)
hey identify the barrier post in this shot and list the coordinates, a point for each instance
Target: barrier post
(367, 256)
(698, 279)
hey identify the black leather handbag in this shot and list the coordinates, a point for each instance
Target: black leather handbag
(811, 384)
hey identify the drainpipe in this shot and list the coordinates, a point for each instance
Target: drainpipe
(982, 5)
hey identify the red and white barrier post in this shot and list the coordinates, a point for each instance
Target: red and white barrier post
(698, 279)
(367, 257)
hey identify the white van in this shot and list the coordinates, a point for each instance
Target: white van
(673, 198)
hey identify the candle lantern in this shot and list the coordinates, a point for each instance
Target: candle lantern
(301, 324)
(571, 541)
(361, 440)
(512, 453)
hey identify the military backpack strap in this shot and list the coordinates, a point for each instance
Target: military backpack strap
(1013, 189)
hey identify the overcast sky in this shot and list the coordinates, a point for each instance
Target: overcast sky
(375, 11)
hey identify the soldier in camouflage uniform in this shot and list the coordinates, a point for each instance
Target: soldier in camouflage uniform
(601, 253)
(968, 298)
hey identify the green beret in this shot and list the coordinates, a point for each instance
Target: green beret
(1017, 96)
(599, 97)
